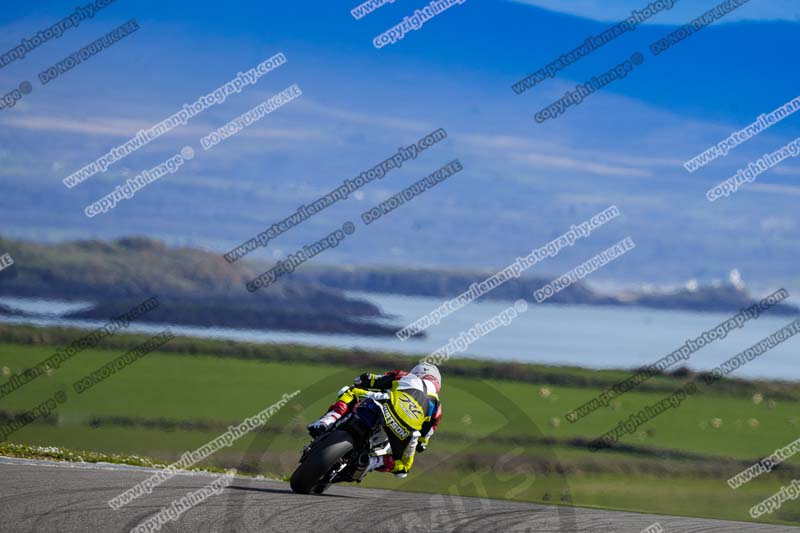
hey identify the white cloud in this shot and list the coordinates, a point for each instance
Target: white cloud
(681, 13)
(777, 224)
(580, 164)
(786, 171)
(127, 128)
(772, 188)
(104, 126)
(570, 199)
(366, 118)
(271, 129)
(547, 155)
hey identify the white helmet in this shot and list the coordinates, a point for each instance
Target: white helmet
(429, 372)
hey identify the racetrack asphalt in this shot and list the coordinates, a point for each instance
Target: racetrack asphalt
(45, 496)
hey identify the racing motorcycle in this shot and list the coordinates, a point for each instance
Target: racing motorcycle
(342, 454)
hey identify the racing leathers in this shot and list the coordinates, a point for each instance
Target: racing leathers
(418, 401)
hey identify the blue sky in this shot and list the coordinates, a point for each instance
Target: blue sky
(523, 182)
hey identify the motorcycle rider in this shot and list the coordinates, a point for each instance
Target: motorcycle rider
(423, 383)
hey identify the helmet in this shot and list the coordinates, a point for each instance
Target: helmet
(429, 372)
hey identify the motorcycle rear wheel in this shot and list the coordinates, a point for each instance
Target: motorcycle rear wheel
(306, 478)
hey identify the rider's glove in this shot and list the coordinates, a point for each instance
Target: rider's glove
(362, 380)
(375, 395)
(422, 445)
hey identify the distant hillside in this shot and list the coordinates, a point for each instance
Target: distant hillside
(195, 287)
(714, 298)
(448, 284)
(440, 284)
(200, 288)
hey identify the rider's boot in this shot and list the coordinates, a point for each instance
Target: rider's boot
(323, 424)
(383, 463)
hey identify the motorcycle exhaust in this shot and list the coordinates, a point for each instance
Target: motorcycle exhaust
(361, 470)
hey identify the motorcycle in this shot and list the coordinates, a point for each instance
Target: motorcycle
(342, 454)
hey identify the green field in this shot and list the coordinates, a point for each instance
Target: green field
(504, 437)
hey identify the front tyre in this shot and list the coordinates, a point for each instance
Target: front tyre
(319, 462)
(320, 488)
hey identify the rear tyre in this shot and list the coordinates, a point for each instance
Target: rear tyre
(307, 477)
